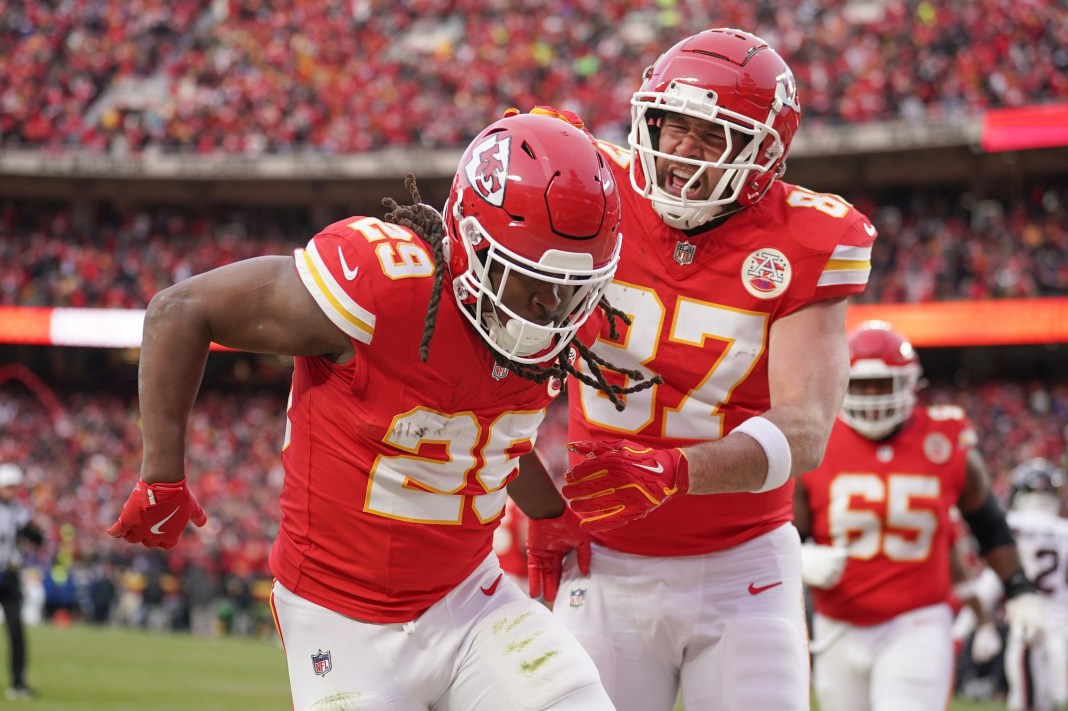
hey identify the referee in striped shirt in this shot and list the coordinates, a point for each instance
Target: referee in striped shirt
(16, 524)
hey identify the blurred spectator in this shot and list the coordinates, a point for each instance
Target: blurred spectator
(346, 77)
(17, 524)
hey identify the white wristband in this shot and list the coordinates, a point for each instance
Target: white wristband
(776, 448)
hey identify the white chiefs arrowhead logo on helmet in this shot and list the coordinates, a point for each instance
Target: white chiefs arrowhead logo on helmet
(487, 171)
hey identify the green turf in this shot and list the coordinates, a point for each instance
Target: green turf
(92, 669)
(86, 669)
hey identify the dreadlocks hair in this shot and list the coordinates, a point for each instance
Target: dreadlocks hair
(428, 223)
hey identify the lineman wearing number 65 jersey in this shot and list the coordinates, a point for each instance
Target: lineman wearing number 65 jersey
(878, 511)
(735, 283)
(425, 360)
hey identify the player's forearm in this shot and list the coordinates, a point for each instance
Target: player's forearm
(534, 491)
(174, 350)
(1004, 560)
(739, 463)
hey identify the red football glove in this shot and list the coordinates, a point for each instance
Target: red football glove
(548, 541)
(621, 481)
(155, 514)
(570, 116)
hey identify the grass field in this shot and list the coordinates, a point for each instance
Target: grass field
(90, 669)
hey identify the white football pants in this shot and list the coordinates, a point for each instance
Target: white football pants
(469, 652)
(904, 664)
(1038, 674)
(727, 628)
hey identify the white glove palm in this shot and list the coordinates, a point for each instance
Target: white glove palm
(822, 566)
(1024, 614)
(986, 643)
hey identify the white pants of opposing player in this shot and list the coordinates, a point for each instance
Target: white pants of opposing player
(468, 652)
(1038, 675)
(905, 664)
(727, 628)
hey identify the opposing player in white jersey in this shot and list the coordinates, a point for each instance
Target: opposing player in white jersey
(427, 350)
(879, 512)
(736, 284)
(1038, 673)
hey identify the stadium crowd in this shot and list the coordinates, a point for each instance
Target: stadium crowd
(341, 77)
(268, 76)
(932, 247)
(80, 457)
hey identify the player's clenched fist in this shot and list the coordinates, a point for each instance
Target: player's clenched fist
(548, 541)
(155, 514)
(621, 481)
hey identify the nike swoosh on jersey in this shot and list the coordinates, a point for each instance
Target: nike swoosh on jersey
(488, 590)
(350, 274)
(868, 227)
(755, 590)
(156, 530)
(655, 470)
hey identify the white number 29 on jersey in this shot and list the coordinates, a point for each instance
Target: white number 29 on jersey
(440, 453)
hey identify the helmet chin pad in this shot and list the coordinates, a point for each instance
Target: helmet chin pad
(515, 337)
(685, 218)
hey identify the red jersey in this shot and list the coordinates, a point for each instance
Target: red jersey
(702, 307)
(510, 541)
(395, 469)
(888, 503)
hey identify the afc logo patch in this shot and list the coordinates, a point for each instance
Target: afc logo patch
(487, 171)
(578, 597)
(766, 273)
(322, 663)
(937, 448)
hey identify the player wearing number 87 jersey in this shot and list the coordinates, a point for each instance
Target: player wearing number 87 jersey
(882, 499)
(735, 283)
(427, 350)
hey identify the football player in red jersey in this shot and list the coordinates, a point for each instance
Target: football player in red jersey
(401, 436)
(736, 284)
(878, 511)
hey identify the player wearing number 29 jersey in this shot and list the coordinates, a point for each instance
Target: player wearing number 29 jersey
(427, 348)
(408, 459)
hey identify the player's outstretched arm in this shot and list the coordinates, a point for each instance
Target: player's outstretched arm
(808, 371)
(257, 305)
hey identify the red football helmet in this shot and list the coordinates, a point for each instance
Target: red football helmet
(878, 353)
(534, 196)
(732, 79)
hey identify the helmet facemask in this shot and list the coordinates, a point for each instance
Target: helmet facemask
(761, 148)
(482, 301)
(1036, 487)
(876, 416)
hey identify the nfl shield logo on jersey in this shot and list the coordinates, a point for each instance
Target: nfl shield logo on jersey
(684, 252)
(321, 663)
(499, 372)
(578, 597)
